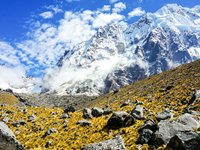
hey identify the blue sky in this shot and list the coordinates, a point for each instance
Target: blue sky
(34, 34)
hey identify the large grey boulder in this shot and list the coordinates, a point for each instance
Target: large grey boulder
(120, 119)
(168, 129)
(7, 139)
(116, 143)
(137, 112)
(165, 114)
(87, 113)
(185, 141)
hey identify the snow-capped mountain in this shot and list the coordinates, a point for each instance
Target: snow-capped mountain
(116, 55)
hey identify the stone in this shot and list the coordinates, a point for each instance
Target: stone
(50, 131)
(48, 144)
(84, 123)
(87, 113)
(185, 141)
(7, 139)
(137, 112)
(168, 129)
(97, 112)
(165, 114)
(197, 94)
(149, 124)
(64, 116)
(116, 143)
(31, 118)
(145, 136)
(120, 119)
(69, 109)
(107, 111)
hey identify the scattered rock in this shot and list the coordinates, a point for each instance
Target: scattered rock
(22, 122)
(50, 131)
(70, 109)
(48, 144)
(149, 124)
(166, 114)
(116, 143)
(120, 119)
(64, 116)
(87, 113)
(97, 112)
(145, 136)
(107, 111)
(137, 112)
(185, 141)
(168, 129)
(7, 139)
(84, 123)
(31, 118)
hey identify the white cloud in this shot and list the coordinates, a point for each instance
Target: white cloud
(118, 7)
(136, 12)
(47, 15)
(113, 1)
(106, 8)
(104, 19)
(8, 55)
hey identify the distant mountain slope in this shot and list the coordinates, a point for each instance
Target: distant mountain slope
(117, 56)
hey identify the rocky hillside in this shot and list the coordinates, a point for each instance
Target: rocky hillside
(120, 55)
(161, 111)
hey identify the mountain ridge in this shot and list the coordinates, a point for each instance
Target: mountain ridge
(116, 56)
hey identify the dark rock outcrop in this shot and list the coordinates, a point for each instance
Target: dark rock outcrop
(120, 119)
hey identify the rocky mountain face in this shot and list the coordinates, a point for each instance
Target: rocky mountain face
(116, 56)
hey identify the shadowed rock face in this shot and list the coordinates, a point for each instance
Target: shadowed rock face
(7, 139)
(116, 143)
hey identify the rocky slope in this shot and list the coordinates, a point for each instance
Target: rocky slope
(161, 111)
(119, 55)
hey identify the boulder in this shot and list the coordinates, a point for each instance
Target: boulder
(107, 111)
(137, 112)
(168, 129)
(84, 123)
(116, 143)
(149, 124)
(165, 114)
(50, 131)
(197, 94)
(31, 118)
(7, 139)
(97, 112)
(145, 136)
(87, 113)
(64, 116)
(185, 141)
(120, 119)
(69, 109)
